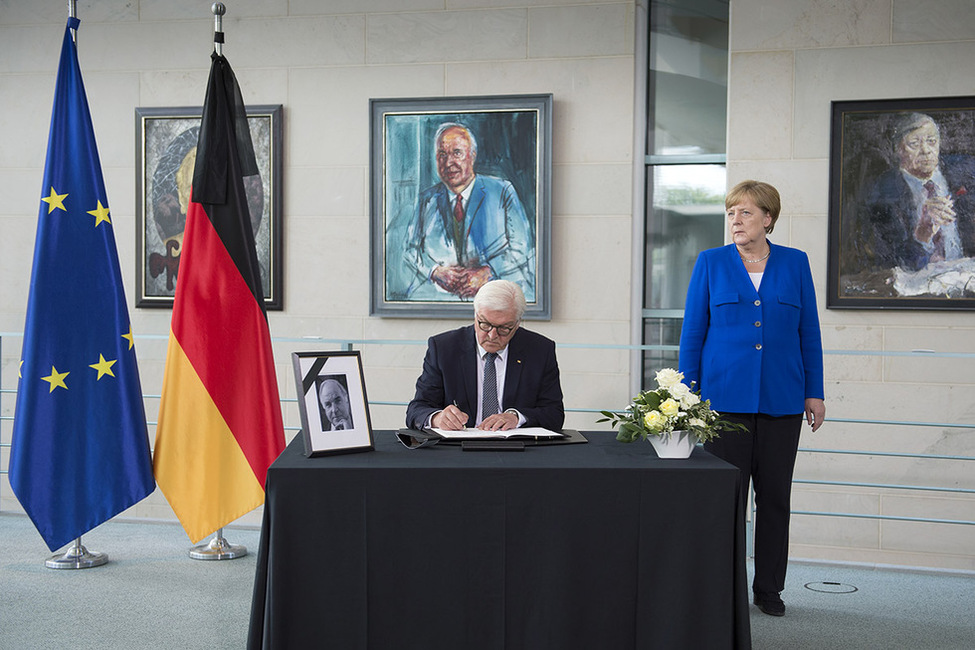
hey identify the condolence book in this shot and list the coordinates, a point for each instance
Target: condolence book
(529, 433)
(527, 436)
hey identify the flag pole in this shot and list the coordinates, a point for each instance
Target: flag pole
(73, 13)
(77, 557)
(218, 548)
(218, 10)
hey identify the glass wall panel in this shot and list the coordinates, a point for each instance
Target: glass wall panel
(688, 77)
(687, 96)
(685, 216)
(663, 332)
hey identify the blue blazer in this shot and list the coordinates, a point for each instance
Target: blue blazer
(531, 380)
(752, 351)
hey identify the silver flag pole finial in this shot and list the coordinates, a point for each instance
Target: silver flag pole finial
(218, 9)
(73, 19)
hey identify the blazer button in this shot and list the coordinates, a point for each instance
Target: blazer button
(758, 346)
(758, 303)
(758, 323)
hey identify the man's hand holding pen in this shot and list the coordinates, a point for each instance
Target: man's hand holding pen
(451, 419)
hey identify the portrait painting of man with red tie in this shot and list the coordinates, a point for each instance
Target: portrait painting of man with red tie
(462, 200)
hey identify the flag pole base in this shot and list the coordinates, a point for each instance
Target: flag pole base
(218, 549)
(77, 557)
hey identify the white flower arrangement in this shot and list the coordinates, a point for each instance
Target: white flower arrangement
(672, 406)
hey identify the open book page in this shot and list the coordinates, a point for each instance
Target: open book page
(475, 434)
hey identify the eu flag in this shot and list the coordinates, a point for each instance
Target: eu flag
(80, 448)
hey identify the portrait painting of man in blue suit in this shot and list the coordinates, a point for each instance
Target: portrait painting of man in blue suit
(465, 230)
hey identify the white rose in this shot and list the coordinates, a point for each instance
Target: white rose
(689, 400)
(668, 377)
(679, 390)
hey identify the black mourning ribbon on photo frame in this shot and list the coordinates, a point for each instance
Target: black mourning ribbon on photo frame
(417, 439)
(309, 379)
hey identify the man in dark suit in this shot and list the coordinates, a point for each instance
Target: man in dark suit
(466, 370)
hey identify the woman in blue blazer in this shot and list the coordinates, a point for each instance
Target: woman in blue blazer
(751, 342)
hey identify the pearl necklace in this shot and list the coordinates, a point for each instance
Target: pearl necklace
(761, 259)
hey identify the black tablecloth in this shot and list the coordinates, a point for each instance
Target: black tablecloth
(590, 546)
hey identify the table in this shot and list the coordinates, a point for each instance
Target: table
(597, 545)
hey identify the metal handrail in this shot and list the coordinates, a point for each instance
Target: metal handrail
(924, 488)
(856, 515)
(351, 343)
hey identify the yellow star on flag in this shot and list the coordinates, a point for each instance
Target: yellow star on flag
(56, 379)
(55, 200)
(130, 338)
(103, 367)
(100, 214)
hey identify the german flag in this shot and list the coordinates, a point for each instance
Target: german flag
(219, 424)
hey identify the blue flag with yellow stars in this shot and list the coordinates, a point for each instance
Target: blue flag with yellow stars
(80, 448)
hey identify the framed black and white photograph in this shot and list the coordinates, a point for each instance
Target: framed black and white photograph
(166, 141)
(332, 402)
(902, 204)
(460, 195)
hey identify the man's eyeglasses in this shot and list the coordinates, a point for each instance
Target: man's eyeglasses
(502, 330)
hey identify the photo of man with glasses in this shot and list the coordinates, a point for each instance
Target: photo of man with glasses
(492, 374)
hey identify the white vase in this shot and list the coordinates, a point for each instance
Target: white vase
(679, 444)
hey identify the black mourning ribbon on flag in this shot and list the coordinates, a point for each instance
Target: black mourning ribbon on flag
(224, 156)
(223, 99)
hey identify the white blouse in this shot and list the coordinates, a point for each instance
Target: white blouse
(756, 278)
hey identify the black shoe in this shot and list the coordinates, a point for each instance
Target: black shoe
(770, 604)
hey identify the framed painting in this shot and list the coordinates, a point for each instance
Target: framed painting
(902, 204)
(165, 152)
(460, 195)
(332, 402)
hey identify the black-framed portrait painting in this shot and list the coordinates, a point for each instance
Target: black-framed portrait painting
(460, 195)
(166, 141)
(902, 204)
(332, 402)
